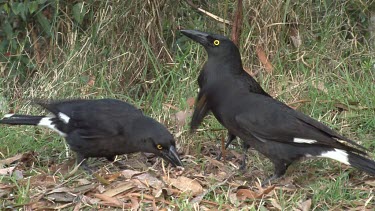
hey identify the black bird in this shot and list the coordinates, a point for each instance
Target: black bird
(233, 69)
(282, 134)
(102, 128)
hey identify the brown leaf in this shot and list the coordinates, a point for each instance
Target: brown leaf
(11, 159)
(60, 190)
(150, 180)
(112, 177)
(135, 203)
(181, 117)
(77, 207)
(319, 85)
(190, 101)
(61, 197)
(370, 182)
(186, 185)
(84, 188)
(237, 23)
(119, 189)
(276, 204)
(342, 106)
(295, 37)
(263, 59)
(6, 171)
(91, 81)
(43, 180)
(243, 194)
(101, 179)
(5, 190)
(130, 173)
(233, 198)
(170, 106)
(306, 205)
(266, 191)
(110, 200)
(83, 181)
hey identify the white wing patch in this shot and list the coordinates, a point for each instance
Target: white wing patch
(304, 141)
(64, 117)
(47, 122)
(336, 154)
(8, 115)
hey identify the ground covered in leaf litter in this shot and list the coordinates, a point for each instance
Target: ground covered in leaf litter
(143, 182)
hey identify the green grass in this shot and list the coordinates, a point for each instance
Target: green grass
(133, 52)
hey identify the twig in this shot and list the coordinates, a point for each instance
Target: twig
(222, 20)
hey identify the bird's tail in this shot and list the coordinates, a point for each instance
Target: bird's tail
(17, 119)
(352, 159)
(362, 163)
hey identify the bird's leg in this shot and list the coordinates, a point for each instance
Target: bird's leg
(280, 169)
(245, 147)
(230, 138)
(111, 158)
(82, 160)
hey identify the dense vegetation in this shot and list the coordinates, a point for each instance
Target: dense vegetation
(316, 56)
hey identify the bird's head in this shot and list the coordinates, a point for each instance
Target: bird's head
(217, 46)
(156, 139)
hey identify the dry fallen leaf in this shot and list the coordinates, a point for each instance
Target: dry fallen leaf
(109, 200)
(186, 185)
(130, 173)
(149, 180)
(181, 117)
(319, 85)
(370, 182)
(276, 204)
(191, 101)
(243, 194)
(6, 171)
(263, 59)
(295, 37)
(135, 203)
(119, 189)
(61, 197)
(11, 160)
(306, 205)
(5, 190)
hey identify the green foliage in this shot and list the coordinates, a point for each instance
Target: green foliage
(22, 24)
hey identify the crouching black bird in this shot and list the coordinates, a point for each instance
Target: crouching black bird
(232, 69)
(102, 128)
(282, 134)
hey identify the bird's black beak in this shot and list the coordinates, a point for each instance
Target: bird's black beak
(172, 156)
(198, 36)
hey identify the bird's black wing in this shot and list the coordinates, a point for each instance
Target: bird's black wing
(92, 118)
(251, 84)
(274, 121)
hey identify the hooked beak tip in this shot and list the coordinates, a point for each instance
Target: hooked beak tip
(173, 157)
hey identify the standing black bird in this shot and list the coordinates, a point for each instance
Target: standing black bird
(103, 128)
(232, 69)
(280, 133)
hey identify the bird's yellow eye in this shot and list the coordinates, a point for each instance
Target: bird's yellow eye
(216, 42)
(159, 147)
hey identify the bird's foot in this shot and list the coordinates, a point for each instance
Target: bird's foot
(269, 180)
(86, 168)
(243, 166)
(219, 156)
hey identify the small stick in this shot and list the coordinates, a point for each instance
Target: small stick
(222, 20)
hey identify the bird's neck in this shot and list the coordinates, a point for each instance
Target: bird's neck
(223, 65)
